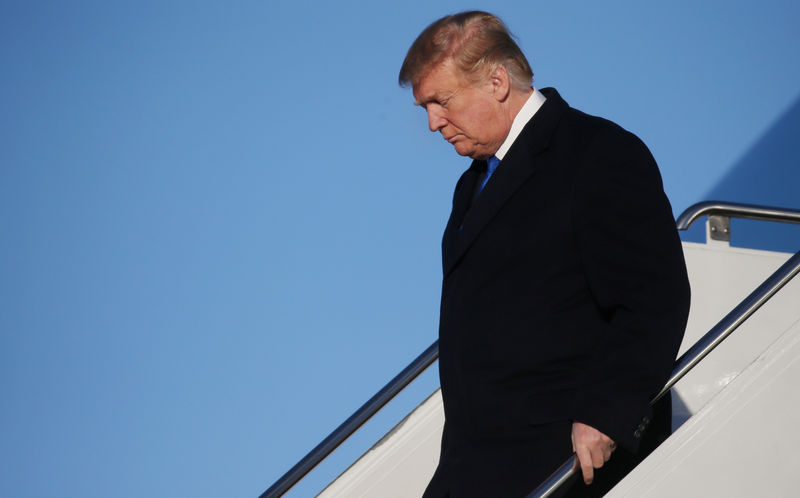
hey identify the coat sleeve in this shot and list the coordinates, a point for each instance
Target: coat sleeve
(633, 263)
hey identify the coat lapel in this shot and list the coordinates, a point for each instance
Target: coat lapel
(462, 198)
(517, 166)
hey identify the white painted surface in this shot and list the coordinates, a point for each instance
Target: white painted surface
(742, 443)
(401, 464)
(721, 277)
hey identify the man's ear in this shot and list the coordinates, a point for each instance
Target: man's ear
(500, 83)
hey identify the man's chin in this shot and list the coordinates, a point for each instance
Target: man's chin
(474, 154)
(471, 152)
(464, 151)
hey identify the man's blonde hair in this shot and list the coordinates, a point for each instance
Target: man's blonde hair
(477, 42)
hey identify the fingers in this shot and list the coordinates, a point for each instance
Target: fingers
(590, 459)
(605, 453)
(592, 447)
(585, 462)
(598, 457)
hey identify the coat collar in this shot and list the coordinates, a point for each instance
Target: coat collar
(468, 221)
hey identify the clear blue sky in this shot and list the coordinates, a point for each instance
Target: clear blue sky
(220, 222)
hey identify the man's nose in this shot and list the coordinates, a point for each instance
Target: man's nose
(436, 120)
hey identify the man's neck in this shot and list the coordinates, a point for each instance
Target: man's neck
(515, 102)
(530, 103)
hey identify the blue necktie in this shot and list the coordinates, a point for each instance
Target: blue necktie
(493, 162)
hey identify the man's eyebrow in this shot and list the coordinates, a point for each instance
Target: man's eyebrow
(423, 103)
(436, 97)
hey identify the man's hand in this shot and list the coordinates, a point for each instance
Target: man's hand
(592, 447)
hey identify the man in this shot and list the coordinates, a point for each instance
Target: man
(565, 294)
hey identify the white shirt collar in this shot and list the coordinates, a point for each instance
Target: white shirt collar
(524, 115)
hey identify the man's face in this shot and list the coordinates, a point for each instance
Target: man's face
(466, 114)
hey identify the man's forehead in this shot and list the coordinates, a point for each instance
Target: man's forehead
(436, 82)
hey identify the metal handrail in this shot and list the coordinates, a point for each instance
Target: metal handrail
(721, 330)
(736, 210)
(353, 423)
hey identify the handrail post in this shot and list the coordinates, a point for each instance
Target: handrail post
(736, 210)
